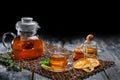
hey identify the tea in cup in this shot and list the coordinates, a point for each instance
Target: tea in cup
(58, 61)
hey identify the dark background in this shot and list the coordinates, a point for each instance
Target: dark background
(64, 21)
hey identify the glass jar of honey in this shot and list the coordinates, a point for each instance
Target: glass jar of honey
(90, 49)
(26, 44)
(78, 53)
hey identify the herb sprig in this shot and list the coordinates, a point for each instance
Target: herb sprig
(9, 63)
(45, 62)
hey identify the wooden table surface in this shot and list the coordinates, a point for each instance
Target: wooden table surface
(108, 49)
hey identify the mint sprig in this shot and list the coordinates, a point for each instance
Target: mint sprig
(9, 63)
(45, 61)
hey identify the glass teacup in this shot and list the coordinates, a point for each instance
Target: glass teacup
(58, 61)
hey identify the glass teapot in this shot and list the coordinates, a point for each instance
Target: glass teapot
(26, 44)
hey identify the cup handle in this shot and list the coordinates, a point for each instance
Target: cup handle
(7, 44)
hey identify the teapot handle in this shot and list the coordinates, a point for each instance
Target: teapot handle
(6, 40)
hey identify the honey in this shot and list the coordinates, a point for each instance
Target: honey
(90, 47)
(78, 54)
(91, 52)
(58, 61)
(27, 49)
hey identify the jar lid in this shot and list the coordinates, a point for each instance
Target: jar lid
(27, 24)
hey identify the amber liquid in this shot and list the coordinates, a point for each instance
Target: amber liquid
(91, 52)
(27, 49)
(58, 61)
(78, 54)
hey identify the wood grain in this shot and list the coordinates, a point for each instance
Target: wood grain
(109, 50)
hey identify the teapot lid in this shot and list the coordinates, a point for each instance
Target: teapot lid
(27, 24)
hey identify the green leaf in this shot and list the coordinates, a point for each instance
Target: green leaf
(9, 63)
(45, 62)
(6, 56)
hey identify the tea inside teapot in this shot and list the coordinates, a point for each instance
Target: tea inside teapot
(27, 44)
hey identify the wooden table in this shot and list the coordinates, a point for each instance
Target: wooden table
(109, 49)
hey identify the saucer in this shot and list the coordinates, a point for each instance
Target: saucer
(48, 68)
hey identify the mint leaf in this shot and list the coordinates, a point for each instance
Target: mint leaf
(45, 62)
(9, 63)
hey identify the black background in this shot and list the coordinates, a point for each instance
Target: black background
(60, 21)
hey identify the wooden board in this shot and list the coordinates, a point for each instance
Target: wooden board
(112, 52)
(73, 74)
(109, 50)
